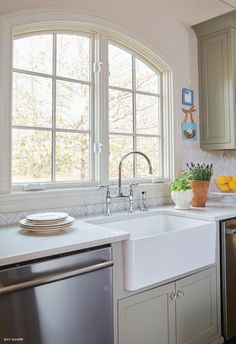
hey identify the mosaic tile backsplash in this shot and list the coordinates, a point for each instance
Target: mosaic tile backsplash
(224, 162)
(85, 210)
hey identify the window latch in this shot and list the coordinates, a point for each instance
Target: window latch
(97, 67)
(97, 147)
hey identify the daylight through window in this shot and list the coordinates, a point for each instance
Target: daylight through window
(55, 115)
(52, 85)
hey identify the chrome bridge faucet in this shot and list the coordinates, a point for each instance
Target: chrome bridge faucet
(120, 194)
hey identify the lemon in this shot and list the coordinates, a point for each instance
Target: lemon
(232, 185)
(228, 179)
(224, 188)
(221, 180)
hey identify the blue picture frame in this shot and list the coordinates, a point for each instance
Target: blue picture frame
(187, 96)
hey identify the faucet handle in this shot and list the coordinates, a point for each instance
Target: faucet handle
(104, 186)
(108, 198)
(131, 185)
(107, 189)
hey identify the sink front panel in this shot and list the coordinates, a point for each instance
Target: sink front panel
(157, 258)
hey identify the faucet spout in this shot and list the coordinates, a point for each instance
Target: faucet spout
(120, 193)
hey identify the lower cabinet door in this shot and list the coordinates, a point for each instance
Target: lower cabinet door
(148, 317)
(196, 310)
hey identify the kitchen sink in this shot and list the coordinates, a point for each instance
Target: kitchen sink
(162, 246)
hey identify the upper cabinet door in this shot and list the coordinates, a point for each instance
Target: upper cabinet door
(216, 91)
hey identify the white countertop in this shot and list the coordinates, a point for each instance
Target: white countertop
(17, 245)
(214, 211)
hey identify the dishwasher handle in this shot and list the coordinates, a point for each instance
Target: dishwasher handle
(53, 278)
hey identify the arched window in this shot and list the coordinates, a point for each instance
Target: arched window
(134, 112)
(79, 104)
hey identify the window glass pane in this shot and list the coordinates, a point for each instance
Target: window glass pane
(73, 57)
(147, 112)
(151, 147)
(31, 152)
(32, 100)
(72, 105)
(146, 79)
(120, 111)
(120, 67)
(34, 53)
(119, 146)
(72, 156)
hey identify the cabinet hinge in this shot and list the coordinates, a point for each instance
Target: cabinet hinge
(97, 147)
(97, 67)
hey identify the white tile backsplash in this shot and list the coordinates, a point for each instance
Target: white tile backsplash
(85, 210)
(224, 162)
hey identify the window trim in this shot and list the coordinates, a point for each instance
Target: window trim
(73, 20)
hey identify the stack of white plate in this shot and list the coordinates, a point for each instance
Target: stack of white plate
(47, 222)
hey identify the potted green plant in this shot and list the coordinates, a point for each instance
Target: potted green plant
(181, 193)
(199, 176)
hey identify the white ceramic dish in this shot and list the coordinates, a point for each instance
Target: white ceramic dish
(46, 230)
(47, 217)
(68, 220)
(225, 197)
(43, 227)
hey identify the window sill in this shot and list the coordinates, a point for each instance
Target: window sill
(61, 198)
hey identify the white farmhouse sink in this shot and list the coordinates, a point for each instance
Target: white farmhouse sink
(162, 246)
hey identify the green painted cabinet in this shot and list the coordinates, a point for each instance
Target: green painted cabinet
(196, 310)
(148, 317)
(182, 312)
(216, 63)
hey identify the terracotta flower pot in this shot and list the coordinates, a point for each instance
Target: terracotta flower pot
(200, 189)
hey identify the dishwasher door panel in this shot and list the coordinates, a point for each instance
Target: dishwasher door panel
(76, 310)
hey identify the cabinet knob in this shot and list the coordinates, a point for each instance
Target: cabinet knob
(173, 296)
(180, 293)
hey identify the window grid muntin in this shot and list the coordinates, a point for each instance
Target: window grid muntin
(53, 129)
(134, 116)
(134, 92)
(54, 105)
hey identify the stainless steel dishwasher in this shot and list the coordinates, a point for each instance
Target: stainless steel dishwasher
(65, 299)
(228, 278)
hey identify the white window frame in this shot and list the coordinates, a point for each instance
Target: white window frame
(134, 92)
(54, 20)
(53, 184)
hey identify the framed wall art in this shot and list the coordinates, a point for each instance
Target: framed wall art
(187, 96)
